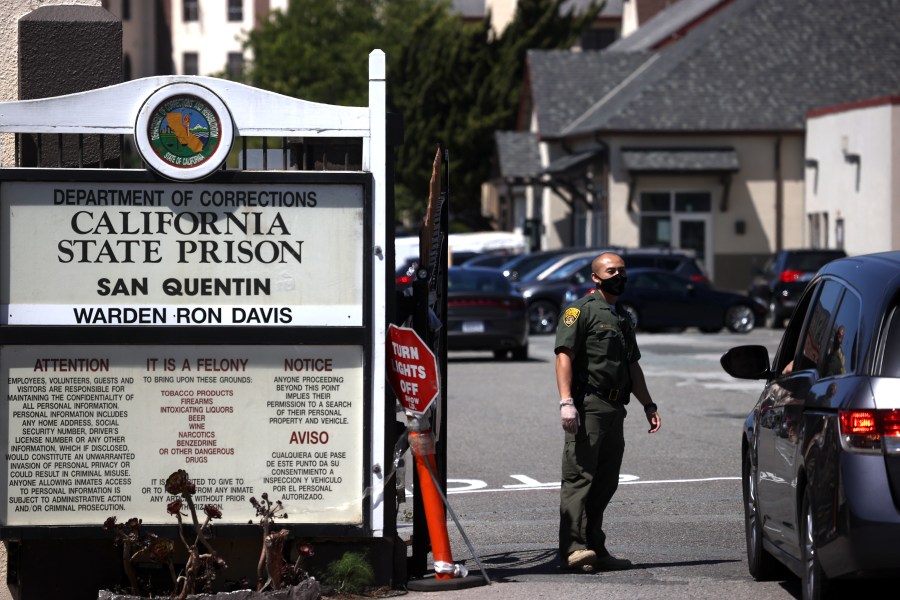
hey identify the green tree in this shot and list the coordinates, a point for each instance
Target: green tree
(317, 49)
(453, 82)
(457, 84)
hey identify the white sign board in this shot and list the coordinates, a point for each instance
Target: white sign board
(94, 431)
(181, 254)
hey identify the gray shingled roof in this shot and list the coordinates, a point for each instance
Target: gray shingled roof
(518, 155)
(680, 159)
(665, 23)
(756, 65)
(564, 84)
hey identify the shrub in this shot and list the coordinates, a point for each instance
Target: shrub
(351, 574)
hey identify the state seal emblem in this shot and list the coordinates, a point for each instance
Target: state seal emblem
(184, 131)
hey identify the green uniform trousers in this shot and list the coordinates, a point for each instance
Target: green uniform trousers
(591, 461)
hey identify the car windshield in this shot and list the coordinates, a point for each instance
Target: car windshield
(471, 280)
(566, 270)
(810, 261)
(528, 262)
(532, 273)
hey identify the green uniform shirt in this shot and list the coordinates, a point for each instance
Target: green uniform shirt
(603, 344)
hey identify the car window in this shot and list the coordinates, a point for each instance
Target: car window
(642, 280)
(840, 357)
(634, 262)
(784, 358)
(669, 264)
(809, 261)
(663, 281)
(583, 275)
(890, 360)
(815, 340)
(635, 280)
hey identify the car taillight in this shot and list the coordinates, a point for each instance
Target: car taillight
(789, 276)
(870, 431)
(404, 280)
(699, 279)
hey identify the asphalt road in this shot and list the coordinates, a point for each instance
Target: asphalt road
(677, 514)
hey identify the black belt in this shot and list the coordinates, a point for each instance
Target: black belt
(611, 394)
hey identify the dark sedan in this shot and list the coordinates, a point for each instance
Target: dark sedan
(821, 447)
(484, 312)
(548, 294)
(658, 300)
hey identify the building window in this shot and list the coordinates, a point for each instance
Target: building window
(677, 220)
(597, 38)
(658, 209)
(818, 229)
(839, 233)
(692, 202)
(813, 222)
(656, 220)
(235, 10)
(191, 10)
(190, 64)
(126, 10)
(235, 65)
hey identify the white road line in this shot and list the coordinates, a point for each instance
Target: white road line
(528, 483)
(476, 486)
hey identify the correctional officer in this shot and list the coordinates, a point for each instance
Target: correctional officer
(596, 372)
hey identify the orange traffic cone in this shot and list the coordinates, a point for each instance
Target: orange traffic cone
(422, 445)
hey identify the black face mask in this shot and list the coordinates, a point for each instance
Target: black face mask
(615, 285)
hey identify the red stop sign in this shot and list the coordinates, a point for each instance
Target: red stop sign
(412, 369)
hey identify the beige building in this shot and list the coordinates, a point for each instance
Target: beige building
(690, 134)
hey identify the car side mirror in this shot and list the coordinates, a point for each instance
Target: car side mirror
(747, 362)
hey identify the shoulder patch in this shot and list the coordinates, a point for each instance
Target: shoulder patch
(570, 316)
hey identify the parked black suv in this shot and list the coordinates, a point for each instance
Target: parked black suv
(784, 276)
